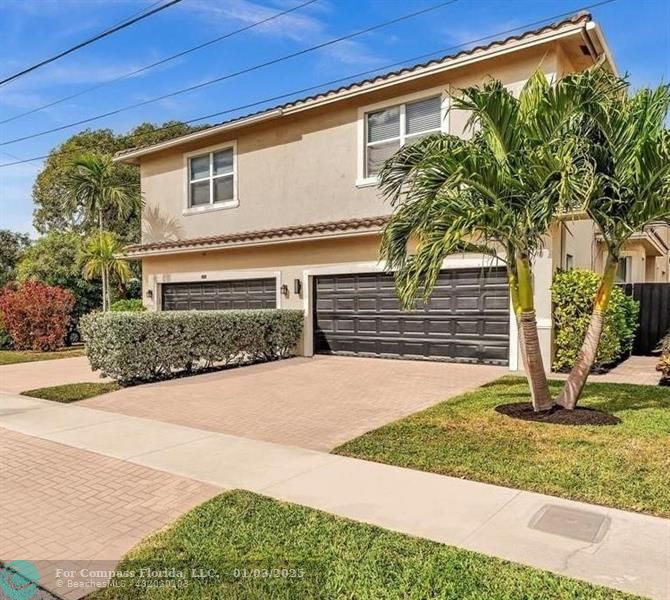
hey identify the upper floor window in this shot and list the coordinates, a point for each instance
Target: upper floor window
(388, 129)
(212, 178)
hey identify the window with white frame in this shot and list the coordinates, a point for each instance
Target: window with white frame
(212, 178)
(389, 129)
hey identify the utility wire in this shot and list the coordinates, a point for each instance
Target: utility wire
(161, 62)
(328, 84)
(135, 14)
(231, 75)
(95, 38)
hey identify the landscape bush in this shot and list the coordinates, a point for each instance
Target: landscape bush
(573, 293)
(145, 346)
(36, 316)
(128, 305)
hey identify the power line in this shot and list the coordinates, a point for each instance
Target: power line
(95, 38)
(139, 12)
(231, 75)
(161, 62)
(359, 75)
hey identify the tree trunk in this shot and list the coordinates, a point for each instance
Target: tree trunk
(104, 290)
(109, 289)
(522, 294)
(586, 358)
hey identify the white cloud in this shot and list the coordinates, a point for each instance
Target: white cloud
(459, 35)
(302, 26)
(297, 25)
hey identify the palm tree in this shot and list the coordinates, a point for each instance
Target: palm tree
(630, 151)
(94, 188)
(101, 259)
(495, 194)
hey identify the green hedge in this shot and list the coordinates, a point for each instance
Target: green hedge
(573, 293)
(128, 305)
(145, 346)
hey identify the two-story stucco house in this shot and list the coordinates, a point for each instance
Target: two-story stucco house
(281, 209)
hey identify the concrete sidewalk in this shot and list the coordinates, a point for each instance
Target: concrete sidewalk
(623, 550)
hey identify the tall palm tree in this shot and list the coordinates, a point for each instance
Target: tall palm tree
(496, 194)
(630, 150)
(101, 259)
(95, 189)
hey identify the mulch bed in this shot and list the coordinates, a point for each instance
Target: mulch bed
(557, 415)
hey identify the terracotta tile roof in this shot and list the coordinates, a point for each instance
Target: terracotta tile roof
(291, 232)
(581, 17)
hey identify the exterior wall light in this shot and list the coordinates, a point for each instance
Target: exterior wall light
(284, 290)
(297, 287)
(150, 294)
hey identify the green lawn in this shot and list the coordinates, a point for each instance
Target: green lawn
(11, 357)
(72, 392)
(625, 466)
(327, 557)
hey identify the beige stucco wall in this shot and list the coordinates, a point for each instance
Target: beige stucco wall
(303, 168)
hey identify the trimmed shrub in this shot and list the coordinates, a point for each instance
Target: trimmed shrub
(573, 293)
(128, 305)
(145, 346)
(36, 316)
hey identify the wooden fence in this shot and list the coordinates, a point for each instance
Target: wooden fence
(654, 323)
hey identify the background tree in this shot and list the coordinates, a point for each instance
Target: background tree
(12, 246)
(100, 259)
(55, 259)
(496, 194)
(629, 146)
(94, 189)
(50, 185)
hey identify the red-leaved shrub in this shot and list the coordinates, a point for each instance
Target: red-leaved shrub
(36, 316)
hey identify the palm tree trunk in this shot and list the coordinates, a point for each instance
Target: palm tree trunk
(574, 385)
(522, 295)
(109, 289)
(104, 292)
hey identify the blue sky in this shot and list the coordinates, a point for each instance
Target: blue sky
(638, 32)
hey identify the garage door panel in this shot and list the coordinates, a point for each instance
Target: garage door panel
(240, 294)
(466, 319)
(368, 304)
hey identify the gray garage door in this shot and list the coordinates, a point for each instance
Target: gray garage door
(467, 318)
(220, 295)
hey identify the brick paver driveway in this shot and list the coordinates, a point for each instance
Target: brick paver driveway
(316, 403)
(73, 509)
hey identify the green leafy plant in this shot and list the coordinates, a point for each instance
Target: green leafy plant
(128, 305)
(663, 364)
(55, 259)
(101, 259)
(145, 346)
(573, 294)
